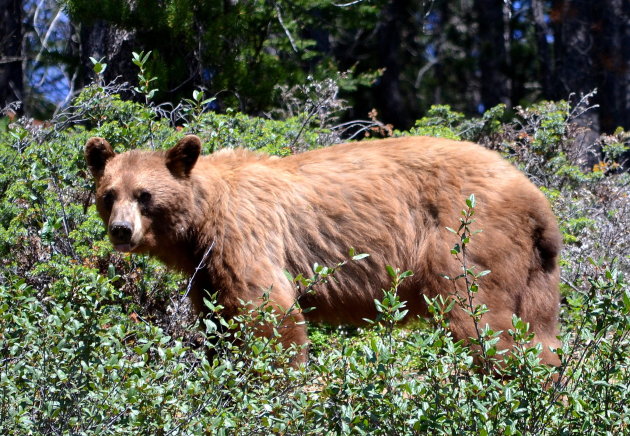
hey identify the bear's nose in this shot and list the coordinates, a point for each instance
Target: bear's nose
(121, 231)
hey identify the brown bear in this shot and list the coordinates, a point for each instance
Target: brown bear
(391, 198)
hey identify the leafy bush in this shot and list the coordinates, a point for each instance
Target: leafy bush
(95, 342)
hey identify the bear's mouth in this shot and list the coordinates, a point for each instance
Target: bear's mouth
(124, 248)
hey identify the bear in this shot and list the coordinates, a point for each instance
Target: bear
(238, 221)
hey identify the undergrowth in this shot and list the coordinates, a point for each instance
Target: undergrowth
(96, 342)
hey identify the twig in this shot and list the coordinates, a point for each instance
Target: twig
(199, 267)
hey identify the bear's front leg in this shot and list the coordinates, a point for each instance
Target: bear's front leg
(288, 320)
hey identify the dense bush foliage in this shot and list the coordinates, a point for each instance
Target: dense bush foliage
(95, 342)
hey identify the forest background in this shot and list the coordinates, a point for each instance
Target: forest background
(398, 57)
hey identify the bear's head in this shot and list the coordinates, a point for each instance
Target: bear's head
(144, 197)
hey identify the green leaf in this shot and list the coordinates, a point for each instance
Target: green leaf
(470, 201)
(406, 274)
(626, 301)
(391, 271)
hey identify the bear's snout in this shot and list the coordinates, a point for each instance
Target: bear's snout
(120, 233)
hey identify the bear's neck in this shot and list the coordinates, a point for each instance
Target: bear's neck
(205, 252)
(202, 244)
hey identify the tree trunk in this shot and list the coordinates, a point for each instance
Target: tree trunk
(391, 47)
(11, 82)
(494, 40)
(115, 45)
(612, 59)
(575, 70)
(545, 71)
(592, 41)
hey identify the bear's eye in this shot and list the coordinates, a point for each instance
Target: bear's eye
(108, 198)
(144, 197)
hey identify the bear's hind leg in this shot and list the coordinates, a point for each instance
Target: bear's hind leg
(463, 327)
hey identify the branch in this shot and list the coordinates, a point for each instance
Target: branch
(52, 26)
(286, 31)
(10, 59)
(426, 67)
(344, 5)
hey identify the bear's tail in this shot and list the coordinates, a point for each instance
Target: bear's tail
(547, 240)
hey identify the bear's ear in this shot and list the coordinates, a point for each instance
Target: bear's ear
(97, 153)
(181, 159)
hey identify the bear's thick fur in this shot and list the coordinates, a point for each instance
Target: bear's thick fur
(391, 198)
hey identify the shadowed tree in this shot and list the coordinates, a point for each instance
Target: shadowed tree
(11, 82)
(592, 50)
(612, 62)
(494, 58)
